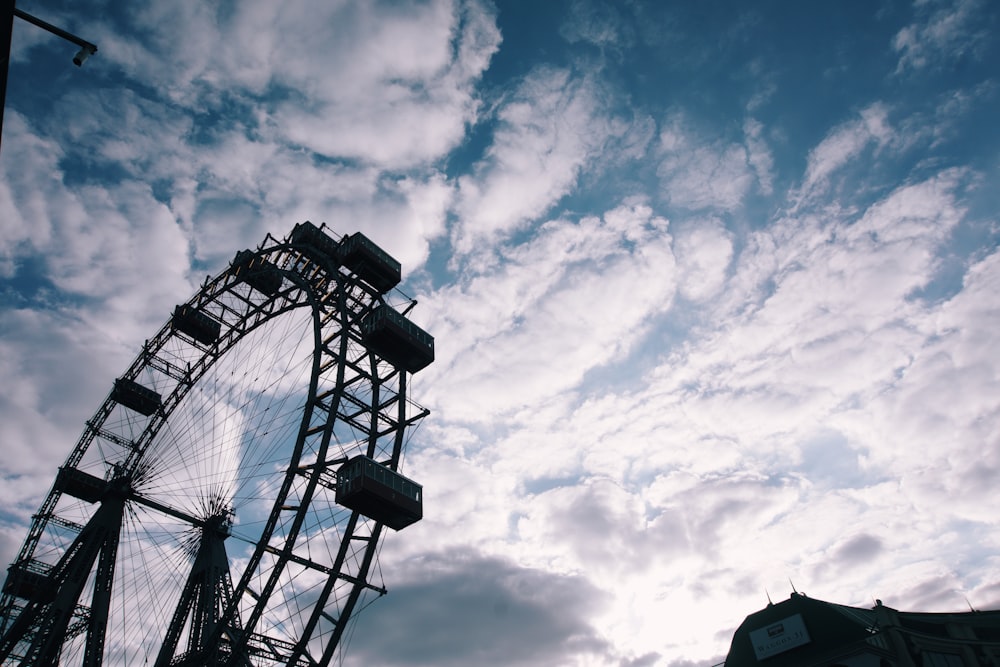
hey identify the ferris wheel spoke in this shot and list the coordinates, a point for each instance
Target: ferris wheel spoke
(199, 522)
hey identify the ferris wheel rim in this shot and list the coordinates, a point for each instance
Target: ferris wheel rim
(133, 465)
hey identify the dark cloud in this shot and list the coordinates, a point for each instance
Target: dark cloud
(469, 609)
(642, 661)
(987, 597)
(712, 662)
(858, 549)
(939, 593)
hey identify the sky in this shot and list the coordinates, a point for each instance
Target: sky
(714, 287)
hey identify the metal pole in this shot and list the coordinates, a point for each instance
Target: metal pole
(7, 13)
(68, 36)
(6, 31)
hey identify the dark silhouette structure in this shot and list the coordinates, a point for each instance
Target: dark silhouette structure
(224, 505)
(803, 632)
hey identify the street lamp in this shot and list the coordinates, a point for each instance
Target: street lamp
(84, 53)
(7, 14)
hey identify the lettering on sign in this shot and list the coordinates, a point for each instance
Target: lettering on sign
(779, 637)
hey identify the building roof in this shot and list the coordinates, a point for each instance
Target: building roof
(783, 632)
(802, 630)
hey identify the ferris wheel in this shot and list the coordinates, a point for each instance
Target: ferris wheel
(225, 503)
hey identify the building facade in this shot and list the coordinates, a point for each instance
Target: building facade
(804, 632)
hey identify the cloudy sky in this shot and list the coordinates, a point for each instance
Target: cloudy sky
(714, 287)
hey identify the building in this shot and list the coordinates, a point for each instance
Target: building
(804, 632)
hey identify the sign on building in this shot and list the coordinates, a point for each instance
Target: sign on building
(779, 637)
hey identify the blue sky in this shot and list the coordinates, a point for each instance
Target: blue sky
(714, 287)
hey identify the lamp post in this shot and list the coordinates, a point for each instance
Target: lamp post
(7, 13)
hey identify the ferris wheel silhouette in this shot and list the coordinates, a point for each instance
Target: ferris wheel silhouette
(224, 505)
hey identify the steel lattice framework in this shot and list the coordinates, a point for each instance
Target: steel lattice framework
(195, 521)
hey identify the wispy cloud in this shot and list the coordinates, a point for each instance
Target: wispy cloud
(506, 332)
(598, 23)
(548, 129)
(844, 144)
(943, 32)
(759, 155)
(701, 175)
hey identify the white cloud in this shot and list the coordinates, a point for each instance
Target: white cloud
(238, 206)
(230, 196)
(759, 155)
(91, 239)
(941, 404)
(230, 182)
(597, 23)
(551, 126)
(844, 144)
(573, 298)
(24, 211)
(386, 88)
(701, 175)
(703, 250)
(393, 88)
(939, 35)
(797, 406)
(834, 281)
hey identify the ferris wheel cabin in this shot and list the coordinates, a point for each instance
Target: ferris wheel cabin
(374, 265)
(384, 331)
(356, 252)
(135, 396)
(312, 242)
(396, 339)
(257, 272)
(196, 324)
(379, 493)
